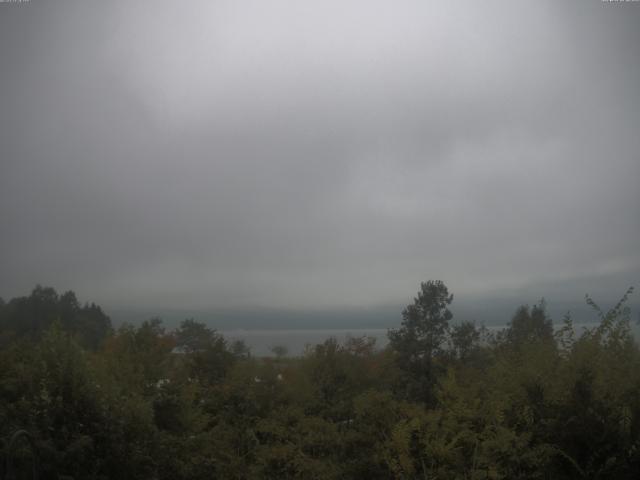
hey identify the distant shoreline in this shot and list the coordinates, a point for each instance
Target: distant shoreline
(261, 341)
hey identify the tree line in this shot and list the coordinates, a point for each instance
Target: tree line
(443, 400)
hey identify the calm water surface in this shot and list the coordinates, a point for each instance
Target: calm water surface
(262, 341)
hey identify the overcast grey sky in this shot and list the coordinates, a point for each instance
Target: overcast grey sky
(297, 154)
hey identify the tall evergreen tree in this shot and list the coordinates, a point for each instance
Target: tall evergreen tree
(421, 337)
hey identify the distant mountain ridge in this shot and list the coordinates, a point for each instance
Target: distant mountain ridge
(492, 312)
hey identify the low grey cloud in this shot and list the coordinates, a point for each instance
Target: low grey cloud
(297, 155)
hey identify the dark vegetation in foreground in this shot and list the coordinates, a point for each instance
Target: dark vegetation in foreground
(444, 400)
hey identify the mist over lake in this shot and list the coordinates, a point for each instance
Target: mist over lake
(261, 342)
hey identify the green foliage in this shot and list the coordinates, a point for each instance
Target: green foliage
(29, 317)
(154, 404)
(530, 325)
(208, 358)
(421, 338)
(465, 340)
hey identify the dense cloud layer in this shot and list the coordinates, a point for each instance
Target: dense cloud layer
(239, 154)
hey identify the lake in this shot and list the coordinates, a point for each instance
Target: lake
(261, 341)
